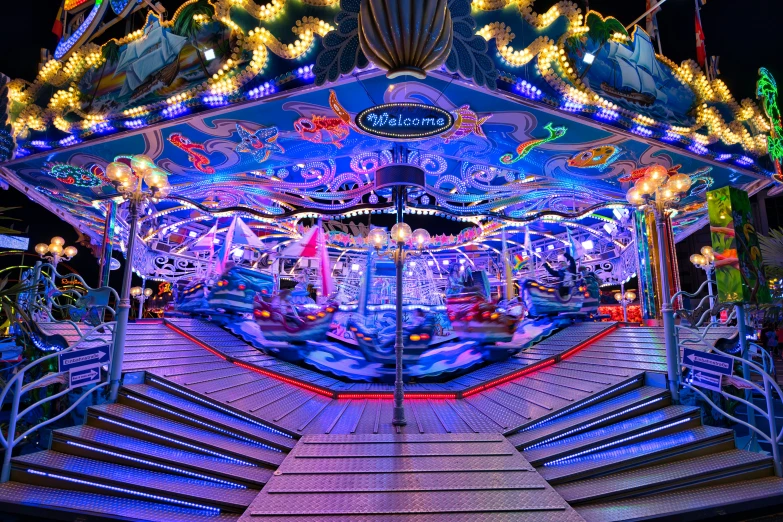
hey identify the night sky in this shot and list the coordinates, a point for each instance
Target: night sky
(744, 34)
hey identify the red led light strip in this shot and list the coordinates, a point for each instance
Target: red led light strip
(200, 343)
(585, 344)
(408, 395)
(506, 378)
(300, 384)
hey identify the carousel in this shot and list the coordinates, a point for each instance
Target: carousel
(361, 208)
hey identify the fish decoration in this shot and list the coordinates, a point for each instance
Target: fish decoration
(198, 160)
(597, 157)
(260, 145)
(320, 129)
(639, 173)
(466, 122)
(526, 147)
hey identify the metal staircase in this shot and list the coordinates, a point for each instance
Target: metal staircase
(636, 456)
(153, 455)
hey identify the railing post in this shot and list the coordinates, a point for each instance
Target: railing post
(6, 472)
(773, 430)
(745, 346)
(667, 313)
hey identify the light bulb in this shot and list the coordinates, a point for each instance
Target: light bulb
(680, 182)
(644, 186)
(136, 290)
(57, 240)
(708, 253)
(117, 171)
(55, 249)
(618, 296)
(41, 248)
(634, 197)
(70, 251)
(377, 237)
(421, 238)
(401, 232)
(630, 295)
(142, 164)
(147, 292)
(657, 175)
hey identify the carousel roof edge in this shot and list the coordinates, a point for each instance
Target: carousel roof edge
(88, 91)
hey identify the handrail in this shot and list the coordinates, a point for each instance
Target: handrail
(9, 441)
(769, 391)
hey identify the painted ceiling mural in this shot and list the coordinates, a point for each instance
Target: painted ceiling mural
(251, 107)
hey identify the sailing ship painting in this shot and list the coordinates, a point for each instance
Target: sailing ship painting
(166, 60)
(631, 75)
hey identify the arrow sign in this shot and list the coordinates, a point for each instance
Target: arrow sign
(87, 357)
(705, 379)
(83, 376)
(711, 362)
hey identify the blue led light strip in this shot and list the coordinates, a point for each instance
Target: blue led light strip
(175, 441)
(578, 406)
(226, 410)
(156, 464)
(124, 490)
(616, 442)
(591, 424)
(202, 423)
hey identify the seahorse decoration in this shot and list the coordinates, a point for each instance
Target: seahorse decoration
(767, 92)
(526, 147)
(198, 160)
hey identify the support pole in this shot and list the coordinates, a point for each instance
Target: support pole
(118, 350)
(108, 228)
(142, 297)
(398, 418)
(667, 313)
(773, 429)
(710, 272)
(745, 347)
(624, 302)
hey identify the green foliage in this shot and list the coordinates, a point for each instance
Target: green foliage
(111, 52)
(600, 29)
(772, 252)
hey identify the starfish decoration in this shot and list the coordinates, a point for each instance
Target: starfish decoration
(261, 144)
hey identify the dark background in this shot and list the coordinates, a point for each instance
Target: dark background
(746, 36)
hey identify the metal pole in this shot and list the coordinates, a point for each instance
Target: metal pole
(710, 271)
(124, 308)
(650, 10)
(624, 302)
(398, 418)
(745, 346)
(773, 429)
(141, 298)
(108, 228)
(667, 313)
(6, 472)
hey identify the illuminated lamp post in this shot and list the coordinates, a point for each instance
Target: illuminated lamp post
(660, 193)
(625, 298)
(706, 261)
(56, 251)
(130, 180)
(141, 295)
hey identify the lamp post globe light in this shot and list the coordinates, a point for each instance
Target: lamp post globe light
(55, 251)
(706, 262)
(400, 235)
(138, 180)
(141, 295)
(625, 298)
(661, 194)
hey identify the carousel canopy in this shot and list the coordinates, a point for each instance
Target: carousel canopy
(536, 123)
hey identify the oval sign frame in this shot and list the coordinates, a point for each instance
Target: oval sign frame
(393, 116)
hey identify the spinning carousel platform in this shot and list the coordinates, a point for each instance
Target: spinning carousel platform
(196, 436)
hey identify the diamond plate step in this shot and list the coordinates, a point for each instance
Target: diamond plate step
(652, 424)
(695, 504)
(109, 446)
(161, 402)
(715, 468)
(164, 487)
(140, 424)
(34, 502)
(675, 446)
(634, 402)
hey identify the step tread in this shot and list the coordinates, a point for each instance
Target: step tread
(106, 506)
(588, 414)
(648, 448)
(188, 433)
(204, 412)
(125, 444)
(768, 489)
(628, 481)
(99, 471)
(610, 432)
